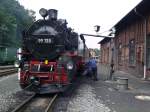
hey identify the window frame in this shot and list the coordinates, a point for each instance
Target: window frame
(132, 52)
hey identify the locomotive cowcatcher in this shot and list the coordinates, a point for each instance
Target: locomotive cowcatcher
(51, 56)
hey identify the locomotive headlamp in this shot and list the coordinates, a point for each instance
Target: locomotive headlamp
(69, 65)
(43, 12)
(17, 64)
(46, 62)
(60, 58)
(32, 78)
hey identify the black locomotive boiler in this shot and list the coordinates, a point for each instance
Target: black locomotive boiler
(51, 54)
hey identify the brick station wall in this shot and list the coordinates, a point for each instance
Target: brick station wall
(134, 31)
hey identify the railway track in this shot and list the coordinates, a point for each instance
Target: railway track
(51, 102)
(36, 103)
(7, 71)
(7, 67)
(10, 69)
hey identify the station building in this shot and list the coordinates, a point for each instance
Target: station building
(130, 48)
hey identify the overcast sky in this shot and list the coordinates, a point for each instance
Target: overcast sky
(82, 15)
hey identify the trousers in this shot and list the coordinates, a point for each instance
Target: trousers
(94, 72)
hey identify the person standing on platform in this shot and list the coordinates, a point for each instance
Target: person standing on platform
(93, 66)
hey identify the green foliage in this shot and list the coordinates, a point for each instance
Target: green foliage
(13, 19)
(97, 51)
(7, 28)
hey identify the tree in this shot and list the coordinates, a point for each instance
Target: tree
(97, 51)
(13, 20)
(7, 28)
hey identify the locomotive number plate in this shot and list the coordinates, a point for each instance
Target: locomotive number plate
(44, 41)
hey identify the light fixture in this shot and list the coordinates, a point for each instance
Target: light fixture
(43, 12)
(97, 28)
(69, 65)
(17, 64)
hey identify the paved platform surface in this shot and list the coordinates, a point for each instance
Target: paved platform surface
(9, 85)
(135, 99)
(135, 84)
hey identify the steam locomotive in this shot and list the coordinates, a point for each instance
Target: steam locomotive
(51, 56)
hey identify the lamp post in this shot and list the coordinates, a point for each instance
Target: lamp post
(145, 36)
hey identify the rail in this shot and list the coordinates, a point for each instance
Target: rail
(17, 109)
(7, 71)
(7, 67)
(25, 106)
(51, 103)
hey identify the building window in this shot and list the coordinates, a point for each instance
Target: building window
(139, 51)
(148, 52)
(120, 53)
(132, 57)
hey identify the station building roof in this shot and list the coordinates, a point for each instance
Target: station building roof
(142, 9)
(105, 40)
(138, 12)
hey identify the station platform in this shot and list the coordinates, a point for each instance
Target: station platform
(135, 84)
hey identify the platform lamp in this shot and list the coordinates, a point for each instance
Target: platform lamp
(97, 28)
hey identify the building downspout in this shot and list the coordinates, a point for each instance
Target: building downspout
(111, 59)
(145, 36)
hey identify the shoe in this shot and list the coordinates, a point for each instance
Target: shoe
(95, 79)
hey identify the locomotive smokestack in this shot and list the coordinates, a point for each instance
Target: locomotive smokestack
(52, 14)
